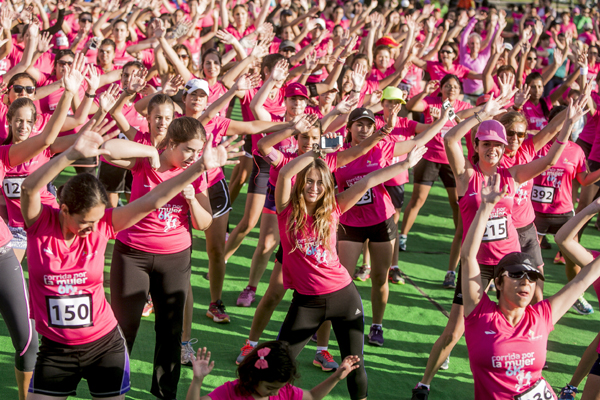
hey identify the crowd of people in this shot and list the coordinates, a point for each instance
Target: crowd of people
(339, 100)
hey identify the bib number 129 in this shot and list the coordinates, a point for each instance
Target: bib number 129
(69, 311)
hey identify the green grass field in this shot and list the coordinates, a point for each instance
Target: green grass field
(412, 323)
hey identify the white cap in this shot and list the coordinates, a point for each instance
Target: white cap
(404, 3)
(195, 84)
(321, 21)
(508, 46)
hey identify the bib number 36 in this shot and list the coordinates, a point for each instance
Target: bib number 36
(69, 311)
(539, 391)
(496, 229)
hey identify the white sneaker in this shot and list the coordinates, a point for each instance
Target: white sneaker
(187, 351)
(446, 364)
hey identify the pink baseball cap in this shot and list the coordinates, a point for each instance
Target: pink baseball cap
(296, 89)
(492, 130)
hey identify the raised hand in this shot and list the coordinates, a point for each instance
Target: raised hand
(305, 122)
(494, 106)
(392, 119)
(92, 78)
(539, 28)
(247, 81)
(463, 19)
(576, 109)
(280, 71)
(522, 96)
(415, 155)
(173, 85)
(225, 37)
(158, 28)
(108, 98)
(44, 45)
(491, 192)
(506, 84)
(223, 154)
(188, 192)
(432, 86)
(72, 79)
(88, 142)
(346, 105)
(261, 49)
(430, 24)
(201, 364)
(137, 81)
(358, 76)
(183, 27)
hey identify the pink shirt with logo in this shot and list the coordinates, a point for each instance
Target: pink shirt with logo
(66, 282)
(310, 267)
(551, 193)
(166, 230)
(376, 204)
(506, 360)
(405, 129)
(275, 106)
(227, 392)
(500, 237)
(436, 151)
(535, 115)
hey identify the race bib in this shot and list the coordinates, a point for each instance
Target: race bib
(366, 199)
(542, 194)
(12, 186)
(70, 311)
(496, 229)
(539, 391)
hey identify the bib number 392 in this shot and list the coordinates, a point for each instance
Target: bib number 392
(542, 194)
(496, 229)
(12, 187)
(539, 391)
(69, 311)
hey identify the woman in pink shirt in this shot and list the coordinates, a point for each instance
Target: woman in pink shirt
(447, 55)
(507, 341)
(121, 34)
(309, 212)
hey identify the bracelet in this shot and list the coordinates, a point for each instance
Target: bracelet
(517, 109)
(307, 73)
(583, 71)
(478, 117)
(90, 96)
(318, 151)
(127, 92)
(355, 91)
(386, 130)
(561, 143)
(341, 60)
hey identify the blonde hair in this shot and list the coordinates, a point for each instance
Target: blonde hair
(325, 206)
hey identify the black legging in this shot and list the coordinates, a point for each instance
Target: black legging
(345, 311)
(133, 273)
(14, 307)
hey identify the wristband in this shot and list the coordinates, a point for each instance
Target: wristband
(478, 117)
(272, 156)
(561, 143)
(355, 91)
(341, 60)
(517, 109)
(90, 96)
(583, 71)
(306, 73)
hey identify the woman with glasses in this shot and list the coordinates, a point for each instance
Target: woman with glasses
(501, 236)
(447, 55)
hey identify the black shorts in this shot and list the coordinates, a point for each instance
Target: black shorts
(259, 176)
(247, 146)
(529, 243)
(104, 363)
(385, 231)
(594, 166)
(397, 195)
(279, 254)
(426, 172)
(585, 146)
(596, 367)
(218, 195)
(115, 179)
(487, 274)
(270, 199)
(551, 223)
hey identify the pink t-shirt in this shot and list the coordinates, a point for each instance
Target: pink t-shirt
(376, 205)
(216, 92)
(535, 115)
(551, 193)
(437, 71)
(166, 230)
(275, 106)
(310, 267)
(405, 129)
(506, 360)
(588, 133)
(122, 57)
(66, 282)
(218, 127)
(436, 151)
(412, 82)
(500, 237)
(49, 103)
(227, 392)
(5, 235)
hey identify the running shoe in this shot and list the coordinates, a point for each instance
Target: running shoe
(362, 273)
(314, 338)
(216, 312)
(545, 244)
(450, 280)
(395, 276)
(446, 364)
(420, 393)
(568, 393)
(148, 308)
(246, 298)
(187, 351)
(402, 243)
(582, 306)
(376, 336)
(559, 259)
(325, 360)
(247, 349)
(492, 287)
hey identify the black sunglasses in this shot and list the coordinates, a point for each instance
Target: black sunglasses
(531, 276)
(184, 56)
(446, 51)
(519, 134)
(531, 58)
(19, 89)
(63, 62)
(84, 20)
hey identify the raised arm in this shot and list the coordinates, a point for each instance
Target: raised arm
(266, 144)
(278, 74)
(422, 138)
(416, 103)
(124, 153)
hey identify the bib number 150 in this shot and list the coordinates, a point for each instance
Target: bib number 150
(69, 311)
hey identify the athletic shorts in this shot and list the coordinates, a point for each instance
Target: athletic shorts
(279, 254)
(426, 173)
(104, 363)
(259, 176)
(19, 240)
(397, 195)
(530, 244)
(115, 179)
(385, 231)
(220, 202)
(585, 146)
(551, 223)
(247, 146)
(596, 367)
(594, 166)
(487, 274)
(270, 207)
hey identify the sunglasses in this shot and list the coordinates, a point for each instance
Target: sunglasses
(519, 134)
(84, 20)
(531, 276)
(446, 51)
(531, 58)
(63, 62)
(19, 89)
(184, 56)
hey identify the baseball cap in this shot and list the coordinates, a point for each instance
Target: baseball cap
(393, 93)
(508, 46)
(492, 130)
(517, 262)
(286, 44)
(296, 89)
(484, 98)
(287, 11)
(387, 41)
(360, 113)
(195, 84)
(321, 22)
